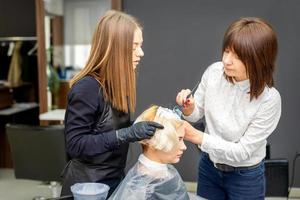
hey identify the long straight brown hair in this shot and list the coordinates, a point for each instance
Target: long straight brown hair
(255, 43)
(110, 60)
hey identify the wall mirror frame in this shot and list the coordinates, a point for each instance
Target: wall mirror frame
(42, 65)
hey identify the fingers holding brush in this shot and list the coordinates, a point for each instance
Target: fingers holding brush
(186, 101)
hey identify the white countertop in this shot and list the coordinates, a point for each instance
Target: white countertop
(18, 107)
(53, 115)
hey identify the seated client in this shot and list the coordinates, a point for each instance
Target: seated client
(152, 177)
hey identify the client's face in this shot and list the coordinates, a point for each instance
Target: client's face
(175, 154)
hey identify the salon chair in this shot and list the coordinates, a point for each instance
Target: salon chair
(38, 152)
(277, 177)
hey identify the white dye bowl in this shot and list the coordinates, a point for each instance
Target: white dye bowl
(89, 191)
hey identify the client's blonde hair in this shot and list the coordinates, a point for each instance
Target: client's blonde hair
(163, 139)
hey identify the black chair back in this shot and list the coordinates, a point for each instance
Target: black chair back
(38, 152)
(277, 177)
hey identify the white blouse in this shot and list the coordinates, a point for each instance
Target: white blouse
(236, 128)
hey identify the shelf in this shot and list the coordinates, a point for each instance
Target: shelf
(7, 39)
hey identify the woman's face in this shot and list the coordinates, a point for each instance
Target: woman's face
(233, 66)
(175, 154)
(137, 52)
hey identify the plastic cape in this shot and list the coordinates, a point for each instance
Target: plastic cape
(141, 183)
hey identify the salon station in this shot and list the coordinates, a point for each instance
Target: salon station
(46, 43)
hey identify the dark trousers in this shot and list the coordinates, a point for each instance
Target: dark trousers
(237, 184)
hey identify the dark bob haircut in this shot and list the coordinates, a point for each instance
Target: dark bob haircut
(255, 43)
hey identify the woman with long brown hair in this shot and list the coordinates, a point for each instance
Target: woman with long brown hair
(102, 96)
(241, 108)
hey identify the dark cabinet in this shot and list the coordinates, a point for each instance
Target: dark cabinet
(19, 113)
(14, 112)
(6, 97)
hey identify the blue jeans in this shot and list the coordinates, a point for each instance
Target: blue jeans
(238, 184)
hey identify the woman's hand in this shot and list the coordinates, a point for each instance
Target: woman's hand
(187, 103)
(191, 134)
(139, 131)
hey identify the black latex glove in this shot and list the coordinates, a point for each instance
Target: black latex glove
(138, 131)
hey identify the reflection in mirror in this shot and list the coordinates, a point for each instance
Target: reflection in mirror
(69, 27)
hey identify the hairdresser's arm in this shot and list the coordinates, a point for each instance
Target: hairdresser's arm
(193, 107)
(254, 138)
(84, 103)
(191, 134)
(260, 128)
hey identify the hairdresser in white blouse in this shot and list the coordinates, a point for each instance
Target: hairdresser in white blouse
(241, 108)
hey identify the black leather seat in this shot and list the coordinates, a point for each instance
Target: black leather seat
(38, 152)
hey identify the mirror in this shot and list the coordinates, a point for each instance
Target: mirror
(64, 29)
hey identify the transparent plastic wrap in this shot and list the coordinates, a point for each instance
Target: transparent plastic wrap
(142, 183)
